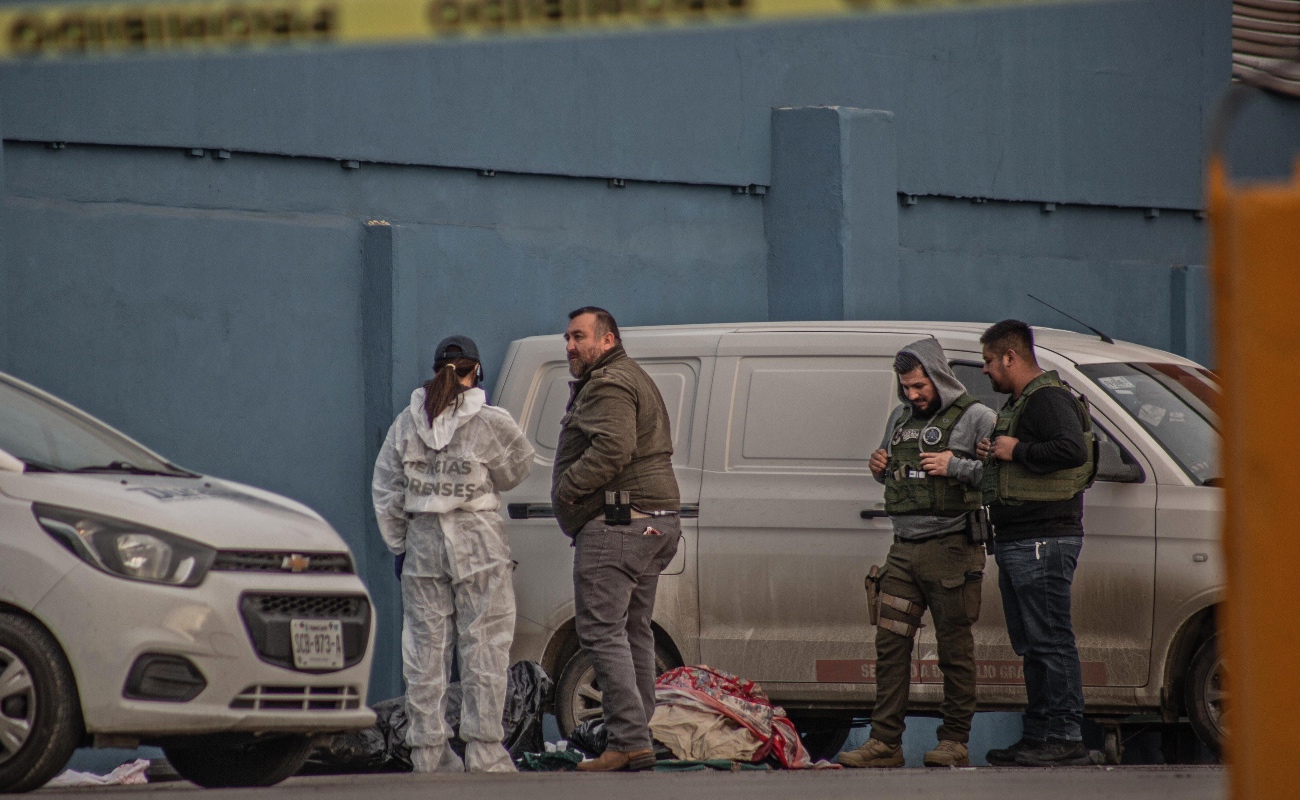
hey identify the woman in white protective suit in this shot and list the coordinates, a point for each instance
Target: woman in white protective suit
(436, 493)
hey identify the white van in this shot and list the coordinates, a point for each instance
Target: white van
(773, 424)
(141, 603)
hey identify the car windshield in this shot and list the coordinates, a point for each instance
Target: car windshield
(1173, 403)
(51, 438)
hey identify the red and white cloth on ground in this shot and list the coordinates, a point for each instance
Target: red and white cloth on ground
(742, 701)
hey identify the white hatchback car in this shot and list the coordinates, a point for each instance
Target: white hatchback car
(141, 603)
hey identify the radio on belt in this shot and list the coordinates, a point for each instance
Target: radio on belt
(618, 508)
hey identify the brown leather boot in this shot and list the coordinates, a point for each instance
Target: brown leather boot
(614, 761)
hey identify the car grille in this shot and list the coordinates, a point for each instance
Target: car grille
(267, 617)
(270, 561)
(298, 698)
(306, 606)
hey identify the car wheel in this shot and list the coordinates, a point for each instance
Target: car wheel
(40, 713)
(262, 762)
(1205, 694)
(577, 694)
(822, 736)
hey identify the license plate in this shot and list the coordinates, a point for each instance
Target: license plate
(317, 643)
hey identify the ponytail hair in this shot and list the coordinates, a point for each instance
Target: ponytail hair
(446, 389)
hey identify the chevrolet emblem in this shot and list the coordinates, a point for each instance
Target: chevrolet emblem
(296, 563)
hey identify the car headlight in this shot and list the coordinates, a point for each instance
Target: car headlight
(126, 549)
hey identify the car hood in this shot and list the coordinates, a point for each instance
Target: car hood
(220, 514)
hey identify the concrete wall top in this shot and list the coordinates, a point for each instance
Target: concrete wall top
(1100, 102)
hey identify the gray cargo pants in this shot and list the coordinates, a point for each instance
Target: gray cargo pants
(615, 572)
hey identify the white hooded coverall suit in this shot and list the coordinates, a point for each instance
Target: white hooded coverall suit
(436, 494)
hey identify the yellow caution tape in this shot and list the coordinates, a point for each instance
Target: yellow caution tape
(103, 29)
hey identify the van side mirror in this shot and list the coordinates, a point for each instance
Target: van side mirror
(1114, 465)
(10, 464)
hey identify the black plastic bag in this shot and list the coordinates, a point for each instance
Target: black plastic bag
(380, 748)
(590, 737)
(528, 693)
(383, 748)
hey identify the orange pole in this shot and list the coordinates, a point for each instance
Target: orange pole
(1255, 259)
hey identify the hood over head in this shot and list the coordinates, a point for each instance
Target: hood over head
(931, 356)
(437, 435)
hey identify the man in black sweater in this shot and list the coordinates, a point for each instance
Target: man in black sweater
(1039, 461)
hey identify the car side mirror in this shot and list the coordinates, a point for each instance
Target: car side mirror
(1114, 466)
(10, 464)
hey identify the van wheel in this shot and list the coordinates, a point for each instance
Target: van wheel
(577, 694)
(261, 762)
(40, 713)
(822, 736)
(1205, 694)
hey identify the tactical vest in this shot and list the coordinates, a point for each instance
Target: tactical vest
(1009, 483)
(908, 489)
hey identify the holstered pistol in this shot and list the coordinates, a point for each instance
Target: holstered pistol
(873, 594)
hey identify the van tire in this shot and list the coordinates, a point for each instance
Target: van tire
(577, 697)
(262, 762)
(1204, 694)
(42, 698)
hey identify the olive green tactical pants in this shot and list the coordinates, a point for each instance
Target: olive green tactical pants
(945, 575)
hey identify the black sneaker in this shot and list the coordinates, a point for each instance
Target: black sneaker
(1055, 753)
(1006, 757)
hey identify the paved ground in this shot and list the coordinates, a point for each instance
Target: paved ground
(1076, 783)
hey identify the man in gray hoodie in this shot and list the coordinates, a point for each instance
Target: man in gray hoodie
(932, 478)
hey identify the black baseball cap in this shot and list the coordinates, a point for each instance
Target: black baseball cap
(456, 347)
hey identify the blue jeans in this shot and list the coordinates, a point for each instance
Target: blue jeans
(1034, 577)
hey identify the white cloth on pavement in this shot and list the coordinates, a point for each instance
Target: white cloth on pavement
(436, 494)
(129, 774)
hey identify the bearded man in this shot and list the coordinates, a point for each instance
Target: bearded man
(616, 445)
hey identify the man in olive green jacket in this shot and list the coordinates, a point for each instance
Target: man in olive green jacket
(616, 437)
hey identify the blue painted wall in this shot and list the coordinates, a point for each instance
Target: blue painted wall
(1117, 269)
(1098, 102)
(1262, 140)
(262, 316)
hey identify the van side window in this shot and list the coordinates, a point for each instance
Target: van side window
(810, 412)
(677, 380)
(977, 383)
(1114, 462)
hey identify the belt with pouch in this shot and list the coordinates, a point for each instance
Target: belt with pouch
(619, 509)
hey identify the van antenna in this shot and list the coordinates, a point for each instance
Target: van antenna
(1103, 336)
